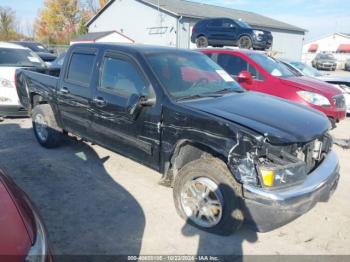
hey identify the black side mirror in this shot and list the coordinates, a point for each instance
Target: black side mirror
(135, 104)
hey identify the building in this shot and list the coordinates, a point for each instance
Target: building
(106, 36)
(337, 43)
(170, 22)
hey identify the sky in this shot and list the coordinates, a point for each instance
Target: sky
(319, 17)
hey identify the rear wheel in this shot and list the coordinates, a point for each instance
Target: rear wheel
(207, 196)
(245, 42)
(45, 126)
(202, 42)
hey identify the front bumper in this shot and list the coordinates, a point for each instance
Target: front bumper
(327, 66)
(266, 210)
(12, 110)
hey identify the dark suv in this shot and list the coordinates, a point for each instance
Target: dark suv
(228, 32)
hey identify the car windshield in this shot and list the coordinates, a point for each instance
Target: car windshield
(19, 58)
(243, 24)
(274, 67)
(306, 69)
(36, 47)
(327, 56)
(190, 75)
(59, 60)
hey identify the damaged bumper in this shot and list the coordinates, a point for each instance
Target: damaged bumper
(269, 209)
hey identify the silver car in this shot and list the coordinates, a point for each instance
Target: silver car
(347, 65)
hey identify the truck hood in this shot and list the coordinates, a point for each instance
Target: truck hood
(312, 84)
(283, 122)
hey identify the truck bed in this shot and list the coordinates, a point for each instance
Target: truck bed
(29, 83)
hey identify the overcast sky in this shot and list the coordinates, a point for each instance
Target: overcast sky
(319, 17)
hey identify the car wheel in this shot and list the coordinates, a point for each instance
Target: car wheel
(202, 42)
(45, 126)
(245, 42)
(207, 196)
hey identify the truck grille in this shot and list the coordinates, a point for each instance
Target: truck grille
(340, 101)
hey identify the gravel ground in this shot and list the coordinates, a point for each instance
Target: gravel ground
(94, 201)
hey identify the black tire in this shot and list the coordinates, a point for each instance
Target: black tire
(214, 170)
(43, 119)
(202, 42)
(245, 42)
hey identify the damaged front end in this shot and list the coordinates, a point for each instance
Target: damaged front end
(282, 182)
(276, 166)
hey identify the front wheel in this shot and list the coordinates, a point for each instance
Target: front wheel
(245, 42)
(207, 196)
(45, 126)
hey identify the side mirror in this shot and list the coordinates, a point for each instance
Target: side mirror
(245, 77)
(135, 104)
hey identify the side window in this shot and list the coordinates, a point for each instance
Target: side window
(235, 65)
(228, 24)
(80, 68)
(215, 23)
(232, 64)
(121, 77)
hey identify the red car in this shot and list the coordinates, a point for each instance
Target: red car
(258, 72)
(22, 234)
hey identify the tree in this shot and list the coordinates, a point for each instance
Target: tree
(8, 25)
(103, 3)
(58, 21)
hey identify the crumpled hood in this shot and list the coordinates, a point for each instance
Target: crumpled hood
(312, 84)
(281, 121)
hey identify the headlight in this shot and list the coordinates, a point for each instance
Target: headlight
(314, 98)
(279, 176)
(258, 34)
(5, 83)
(39, 250)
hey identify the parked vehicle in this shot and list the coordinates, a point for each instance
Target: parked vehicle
(258, 72)
(343, 83)
(324, 61)
(23, 235)
(347, 65)
(231, 155)
(13, 57)
(55, 68)
(230, 32)
(45, 54)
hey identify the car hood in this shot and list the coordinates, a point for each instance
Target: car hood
(14, 237)
(47, 57)
(312, 84)
(326, 61)
(283, 122)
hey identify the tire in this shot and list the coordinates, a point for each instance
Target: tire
(223, 190)
(46, 129)
(202, 42)
(245, 42)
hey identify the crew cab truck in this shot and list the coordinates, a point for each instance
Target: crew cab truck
(230, 155)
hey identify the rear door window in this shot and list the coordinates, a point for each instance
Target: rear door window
(80, 68)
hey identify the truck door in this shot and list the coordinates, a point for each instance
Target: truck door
(117, 123)
(74, 92)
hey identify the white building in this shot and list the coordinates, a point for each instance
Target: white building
(106, 37)
(170, 22)
(337, 43)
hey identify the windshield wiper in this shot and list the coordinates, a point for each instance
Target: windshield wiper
(198, 96)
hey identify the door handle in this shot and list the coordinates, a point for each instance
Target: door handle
(64, 90)
(99, 101)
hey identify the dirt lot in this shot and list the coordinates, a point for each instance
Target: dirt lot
(94, 201)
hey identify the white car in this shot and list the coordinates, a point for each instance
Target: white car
(12, 57)
(343, 83)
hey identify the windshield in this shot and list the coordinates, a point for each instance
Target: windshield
(306, 69)
(19, 58)
(274, 67)
(191, 75)
(35, 47)
(243, 24)
(327, 56)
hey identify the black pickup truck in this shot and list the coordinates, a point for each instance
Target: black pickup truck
(230, 155)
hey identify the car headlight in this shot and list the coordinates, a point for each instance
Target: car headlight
(39, 251)
(5, 83)
(278, 176)
(258, 34)
(314, 98)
